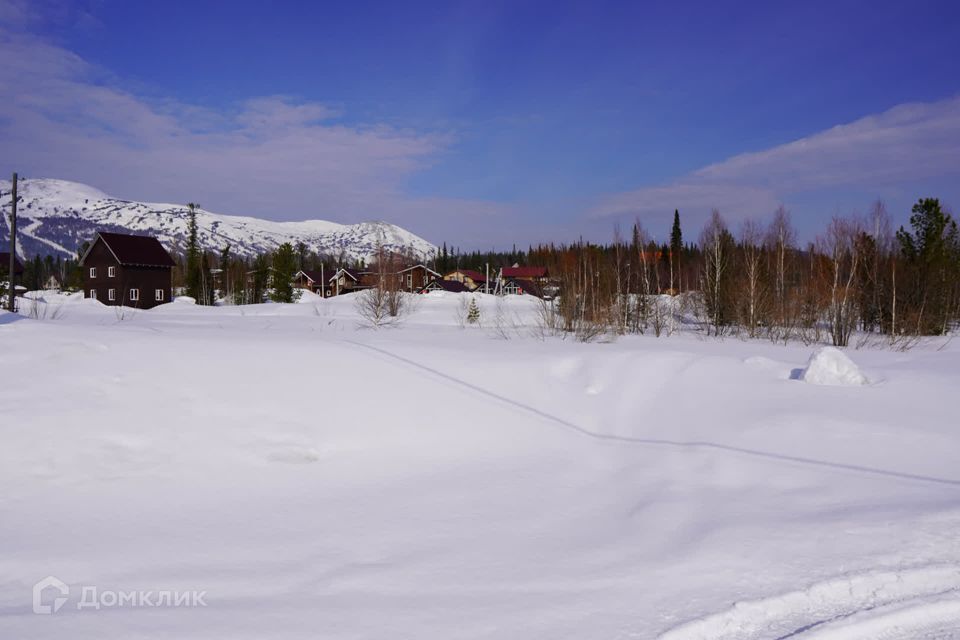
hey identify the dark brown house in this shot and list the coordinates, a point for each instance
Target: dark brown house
(315, 281)
(416, 277)
(349, 280)
(133, 271)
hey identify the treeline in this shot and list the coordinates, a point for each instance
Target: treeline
(860, 274)
(49, 272)
(757, 280)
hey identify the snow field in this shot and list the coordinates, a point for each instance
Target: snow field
(322, 479)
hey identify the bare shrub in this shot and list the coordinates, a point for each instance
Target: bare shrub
(380, 307)
(841, 253)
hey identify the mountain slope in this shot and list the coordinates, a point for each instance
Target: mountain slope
(58, 216)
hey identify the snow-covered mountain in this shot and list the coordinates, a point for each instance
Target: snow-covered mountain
(58, 216)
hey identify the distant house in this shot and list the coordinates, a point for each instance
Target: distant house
(445, 285)
(472, 280)
(315, 281)
(412, 278)
(121, 269)
(416, 277)
(534, 281)
(533, 274)
(52, 284)
(349, 280)
(517, 286)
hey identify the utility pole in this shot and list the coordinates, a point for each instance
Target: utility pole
(13, 242)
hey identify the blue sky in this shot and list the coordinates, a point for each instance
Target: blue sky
(488, 123)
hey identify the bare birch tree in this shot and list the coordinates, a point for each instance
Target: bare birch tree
(842, 252)
(753, 294)
(715, 241)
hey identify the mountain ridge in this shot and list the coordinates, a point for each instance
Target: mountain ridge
(57, 216)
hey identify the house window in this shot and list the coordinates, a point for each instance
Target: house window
(111, 272)
(93, 294)
(158, 295)
(134, 295)
(409, 279)
(111, 294)
(93, 272)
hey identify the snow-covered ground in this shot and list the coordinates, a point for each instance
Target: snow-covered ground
(317, 479)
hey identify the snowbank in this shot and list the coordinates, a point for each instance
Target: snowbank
(831, 366)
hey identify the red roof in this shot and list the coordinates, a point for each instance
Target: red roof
(476, 276)
(524, 272)
(143, 251)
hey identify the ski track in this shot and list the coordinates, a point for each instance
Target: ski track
(36, 224)
(682, 444)
(907, 603)
(921, 602)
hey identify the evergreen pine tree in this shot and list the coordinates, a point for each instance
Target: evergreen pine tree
(301, 255)
(194, 275)
(284, 268)
(473, 312)
(676, 246)
(223, 264)
(261, 276)
(932, 254)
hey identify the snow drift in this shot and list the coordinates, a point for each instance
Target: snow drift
(830, 366)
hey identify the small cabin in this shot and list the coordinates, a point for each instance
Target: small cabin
(128, 270)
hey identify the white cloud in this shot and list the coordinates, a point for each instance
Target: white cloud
(270, 156)
(908, 143)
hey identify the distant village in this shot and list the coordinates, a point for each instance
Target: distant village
(861, 275)
(138, 271)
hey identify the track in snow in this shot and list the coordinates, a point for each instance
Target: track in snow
(685, 444)
(34, 226)
(917, 603)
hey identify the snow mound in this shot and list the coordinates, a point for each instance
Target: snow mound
(831, 366)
